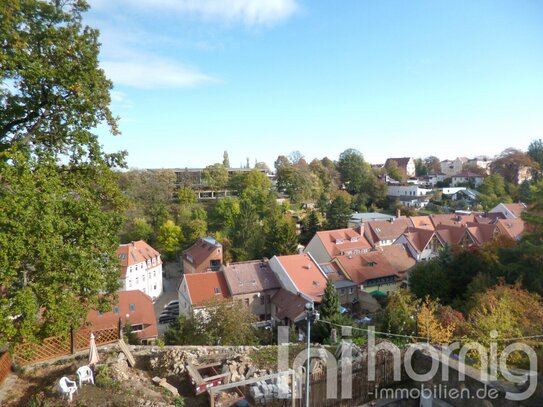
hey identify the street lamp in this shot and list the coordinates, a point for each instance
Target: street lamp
(311, 316)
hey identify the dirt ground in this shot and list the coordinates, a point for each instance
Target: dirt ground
(120, 386)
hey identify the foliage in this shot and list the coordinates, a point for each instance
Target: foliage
(138, 229)
(222, 323)
(60, 206)
(281, 236)
(130, 337)
(224, 213)
(329, 307)
(225, 160)
(393, 170)
(215, 176)
(400, 313)
(247, 242)
(509, 162)
(311, 225)
(169, 239)
(430, 326)
(102, 377)
(338, 213)
(355, 171)
(508, 309)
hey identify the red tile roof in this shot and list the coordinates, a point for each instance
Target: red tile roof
(452, 235)
(379, 230)
(305, 274)
(419, 238)
(513, 228)
(342, 240)
(288, 305)
(249, 277)
(134, 253)
(516, 208)
(204, 287)
(201, 250)
(139, 308)
(398, 257)
(367, 266)
(483, 233)
(402, 161)
(422, 222)
(451, 219)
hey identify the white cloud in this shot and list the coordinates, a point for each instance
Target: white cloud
(153, 73)
(250, 12)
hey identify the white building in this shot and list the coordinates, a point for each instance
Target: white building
(407, 191)
(141, 268)
(453, 167)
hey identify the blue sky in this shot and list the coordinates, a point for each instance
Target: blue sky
(260, 78)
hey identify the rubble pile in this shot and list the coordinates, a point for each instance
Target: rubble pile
(240, 368)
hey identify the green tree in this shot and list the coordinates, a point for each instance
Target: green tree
(169, 239)
(311, 225)
(247, 241)
(339, 212)
(329, 307)
(401, 313)
(60, 205)
(224, 213)
(225, 160)
(535, 151)
(281, 236)
(215, 177)
(393, 170)
(186, 196)
(139, 229)
(355, 171)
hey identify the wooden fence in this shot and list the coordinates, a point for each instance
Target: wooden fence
(5, 366)
(56, 346)
(363, 390)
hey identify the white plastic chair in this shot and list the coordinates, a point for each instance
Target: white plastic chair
(68, 387)
(84, 373)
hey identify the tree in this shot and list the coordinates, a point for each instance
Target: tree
(393, 170)
(420, 168)
(186, 196)
(400, 313)
(338, 213)
(281, 236)
(169, 239)
(355, 172)
(535, 151)
(510, 162)
(224, 213)
(329, 308)
(225, 159)
(139, 229)
(430, 326)
(433, 164)
(60, 205)
(215, 176)
(508, 309)
(311, 225)
(246, 237)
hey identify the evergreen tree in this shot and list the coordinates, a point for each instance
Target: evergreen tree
(329, 307)
(338, 214)
(225, 160)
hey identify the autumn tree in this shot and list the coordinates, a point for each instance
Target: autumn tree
(430, 327)
(169, 239)
(401, 312)
(393, 170)
(510, 162)
(60, 204)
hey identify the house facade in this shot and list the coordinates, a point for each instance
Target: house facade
(407, 191)
(252, 284)
(422, 244)
(203, 256)
(141, 268)
(467, 178)
(453, 167)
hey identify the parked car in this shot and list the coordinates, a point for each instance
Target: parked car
(173, 308)
(166, 318)
(172, 303)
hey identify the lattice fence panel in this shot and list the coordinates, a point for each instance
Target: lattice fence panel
(101, 337)
(50, 348)
(5, 366)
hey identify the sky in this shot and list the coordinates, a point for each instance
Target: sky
(263, 78)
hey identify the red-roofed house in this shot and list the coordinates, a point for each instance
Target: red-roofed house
(196, 291)
(327, 244)
(134, 307)
(512, 228)
(252, 283)
(456, 236)
(371, 271)
(204, 255)
(423, 244)
(141, 268)
(300, 274)
(510, 211)
(385, 232)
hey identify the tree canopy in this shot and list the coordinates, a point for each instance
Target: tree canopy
(60, 205)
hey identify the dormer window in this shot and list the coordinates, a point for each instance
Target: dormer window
(339, 241)
(371, 263)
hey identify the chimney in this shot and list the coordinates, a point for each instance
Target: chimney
(398, 213)
(133, 243)
(308, 266)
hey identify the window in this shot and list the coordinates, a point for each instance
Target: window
(216, 290)
(129, 283)
(247, 302)
(343, 291)
(154, 287)
(154, 273)
(132, 307)
(262, 300)
(137, 328)
(116, 310)
(137, 281)
(351, 290)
